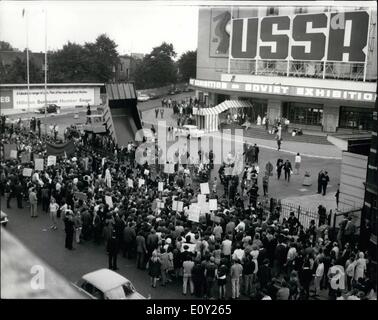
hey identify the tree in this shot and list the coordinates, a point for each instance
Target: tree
(16, 72)
(157, 68)
(92, 62)
(102, 58)
(69, 65)
(6, 46)
(187, 65)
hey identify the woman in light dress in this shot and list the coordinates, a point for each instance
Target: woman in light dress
(297, 165)
(360, 269)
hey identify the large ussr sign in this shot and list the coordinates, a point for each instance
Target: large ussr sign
(316, 37)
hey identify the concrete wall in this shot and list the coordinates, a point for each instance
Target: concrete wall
(330, 117)
(274, 109)
(352, 178)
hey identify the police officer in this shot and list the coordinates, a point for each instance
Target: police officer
(69, 228)
(112, 248)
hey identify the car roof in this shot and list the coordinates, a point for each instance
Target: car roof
(105, 279)
(190, 126)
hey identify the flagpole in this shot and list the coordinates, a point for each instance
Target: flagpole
(45, 71)
(27, 56)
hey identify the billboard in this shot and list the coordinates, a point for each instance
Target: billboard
(63, 97)
(220, 29)
(6, 99)
(330, 36)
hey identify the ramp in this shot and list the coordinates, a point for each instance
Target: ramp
(121, 114)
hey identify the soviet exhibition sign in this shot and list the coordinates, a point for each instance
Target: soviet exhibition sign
(338, 37)
(287, 90)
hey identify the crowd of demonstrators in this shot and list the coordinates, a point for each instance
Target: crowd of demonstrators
(112, 202)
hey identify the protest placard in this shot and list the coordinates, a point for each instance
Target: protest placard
(201, 198)
(194, 212)
(130, 183)
(205, 188)
(141, 182)
(25, 157)
(146, 172)
(169, 168)
(228, 171)
(180, 206)
(27, 172)
(174, 205)
(38, 164)
(13, 154)
(161, 186)
(8, 147)
(51, 161)
(215, 218)
(109, 201)
(80, 195)
(204, 207)
(213, 204)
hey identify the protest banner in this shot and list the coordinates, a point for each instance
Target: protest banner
(205, 188)
(51, 161)
(174, 205)
(141, 182)
(109, 201)
(213, 204)
(60, 149)
(38, 164)
(27, 172)
(161, 186)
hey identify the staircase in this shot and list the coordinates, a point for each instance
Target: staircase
(258, 132)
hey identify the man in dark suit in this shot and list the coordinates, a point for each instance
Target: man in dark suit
(112, 248)
(320, 177)
(18, 190)
(129, 237)
(69, 228)
(141, 251)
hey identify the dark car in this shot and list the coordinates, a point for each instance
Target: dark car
(51, 108)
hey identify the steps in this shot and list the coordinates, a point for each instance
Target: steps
(260, 133)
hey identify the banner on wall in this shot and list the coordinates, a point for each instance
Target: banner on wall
(63, 97)
(220, 29)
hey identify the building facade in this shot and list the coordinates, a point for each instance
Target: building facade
(315, 66)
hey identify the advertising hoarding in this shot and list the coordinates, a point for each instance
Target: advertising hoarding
(63, 97)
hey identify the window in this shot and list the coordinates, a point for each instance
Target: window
(300, 10)
(272, 11)
(356, 118)
(303, 113)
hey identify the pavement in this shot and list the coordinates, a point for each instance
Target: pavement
(325, 151)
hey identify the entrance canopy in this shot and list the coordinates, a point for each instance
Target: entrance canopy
(226, 105)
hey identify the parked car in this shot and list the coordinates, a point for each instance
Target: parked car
(153, 95)
(187, 89)
(107, 284)
(189, 130)
(3, 219)
(51, 108)
(143, 97)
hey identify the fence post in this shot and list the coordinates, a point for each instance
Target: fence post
(299, 212)
(334, 221)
